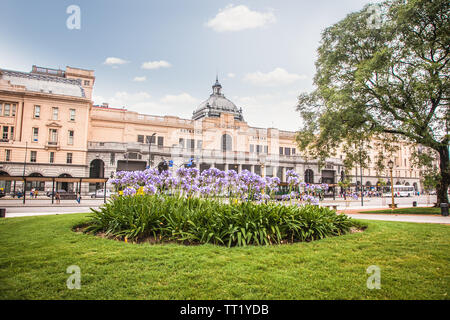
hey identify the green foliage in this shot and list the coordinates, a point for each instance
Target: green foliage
(387, 84)
(431, 179)
(195, 220)
(344, 184)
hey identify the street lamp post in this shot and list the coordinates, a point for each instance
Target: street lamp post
(391, 166)
(149, 146)
(262, 161)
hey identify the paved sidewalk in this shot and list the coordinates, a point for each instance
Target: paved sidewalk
(402, 218)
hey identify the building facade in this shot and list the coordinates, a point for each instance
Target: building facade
(52, 120)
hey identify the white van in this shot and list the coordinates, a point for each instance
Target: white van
(100, 193)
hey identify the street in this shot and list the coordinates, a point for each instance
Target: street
(43, 206)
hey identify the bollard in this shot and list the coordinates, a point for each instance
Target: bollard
(2, 212)
(444, 209)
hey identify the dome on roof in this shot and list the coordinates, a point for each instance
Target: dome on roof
(216, 104)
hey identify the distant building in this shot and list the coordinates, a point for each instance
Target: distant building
(45, 114)
(50, 113)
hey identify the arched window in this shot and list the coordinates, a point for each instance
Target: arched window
(37, 185)
(309, 176)
(67, 186)
(227, 144)
(96, 170)
(5, 185)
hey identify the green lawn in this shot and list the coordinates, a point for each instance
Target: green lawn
(35, 252)
(424, 210)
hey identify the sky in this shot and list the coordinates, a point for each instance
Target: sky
(162, 57)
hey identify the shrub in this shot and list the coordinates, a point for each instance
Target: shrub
(197, 220)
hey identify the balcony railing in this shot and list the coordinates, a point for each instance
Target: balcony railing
(178, 151)
(52, 144)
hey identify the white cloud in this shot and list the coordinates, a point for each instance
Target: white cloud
(181, 99)
(236, 18)
(112, 61)
(140, 79)
(277, 77)
(150, 65)
(231, 75)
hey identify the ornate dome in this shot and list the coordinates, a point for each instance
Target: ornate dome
(216, 104)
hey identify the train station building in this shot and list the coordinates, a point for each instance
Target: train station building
(50, 127)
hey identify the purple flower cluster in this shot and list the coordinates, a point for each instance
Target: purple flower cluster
(214, 183)
(190, 182)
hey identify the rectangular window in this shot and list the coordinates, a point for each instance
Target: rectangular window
(5, 132)
(7, 110)
(70, 141)
(199, 144)
(112, 160)
(8, 155)
(150, 139)
(181, 142)
(281, 150)
(33, 156)
(72, 114)
(252, 148)
(140, 138)
(12, 133)
(266, 149)
(55, 112)
(160, 141)
(53, 136)
(52, 157)
(86, 82)
(37, 111)
(13, 110)
(287, 151)
(191, 143)
(1, 109)
(293, 150)
(35, 134)
(69, 157)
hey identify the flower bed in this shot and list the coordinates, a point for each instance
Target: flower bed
(196, 220)
(213, 207)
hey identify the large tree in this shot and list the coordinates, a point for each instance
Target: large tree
(382, 74)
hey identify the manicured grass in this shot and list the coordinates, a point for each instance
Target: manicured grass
(424, 210)
(35, 252)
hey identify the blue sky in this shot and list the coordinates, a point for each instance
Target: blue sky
(263, 51)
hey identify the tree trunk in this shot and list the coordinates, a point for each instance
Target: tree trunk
(444, 166)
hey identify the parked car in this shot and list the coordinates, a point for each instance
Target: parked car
(100, 193)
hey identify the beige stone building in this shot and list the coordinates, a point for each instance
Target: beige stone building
(44, 119)
(51, 117)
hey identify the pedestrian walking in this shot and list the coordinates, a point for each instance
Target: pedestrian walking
(58, 198)
(78, 197)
